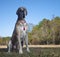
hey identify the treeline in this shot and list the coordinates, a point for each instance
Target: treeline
(46, 32)
(4, 40)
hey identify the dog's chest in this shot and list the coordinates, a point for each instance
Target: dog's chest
(22, 27)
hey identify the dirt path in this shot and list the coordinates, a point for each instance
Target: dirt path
(42, 46)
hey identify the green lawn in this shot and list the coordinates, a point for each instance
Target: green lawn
(35, 52)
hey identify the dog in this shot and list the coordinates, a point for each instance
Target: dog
(20, 33)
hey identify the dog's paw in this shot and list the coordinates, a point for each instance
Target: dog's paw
(20, 52)
(28, 50)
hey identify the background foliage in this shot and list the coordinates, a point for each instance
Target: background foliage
(45, 32)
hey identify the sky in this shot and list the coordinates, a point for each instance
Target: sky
(37, 10)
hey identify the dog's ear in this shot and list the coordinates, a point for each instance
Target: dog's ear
(17, 12)
(25, 11)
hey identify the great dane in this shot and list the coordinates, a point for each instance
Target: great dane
(20, 32)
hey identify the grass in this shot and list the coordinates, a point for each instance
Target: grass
(35, 52)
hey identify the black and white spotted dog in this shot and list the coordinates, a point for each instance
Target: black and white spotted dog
(20, 32)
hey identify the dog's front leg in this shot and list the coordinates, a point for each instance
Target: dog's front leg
(20, 46)
(9, 46)
(26, 41)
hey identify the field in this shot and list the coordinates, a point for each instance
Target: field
(52, 51)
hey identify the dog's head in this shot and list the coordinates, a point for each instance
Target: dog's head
(21, 12)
